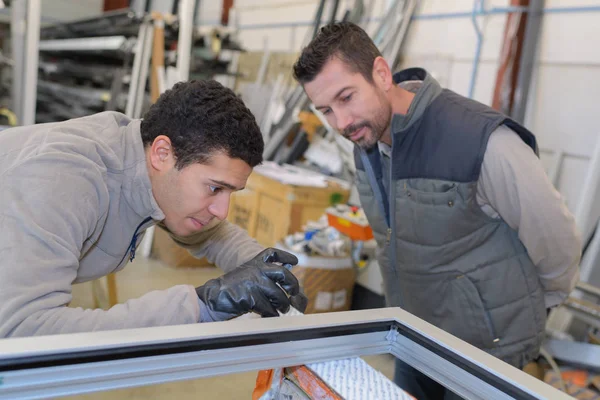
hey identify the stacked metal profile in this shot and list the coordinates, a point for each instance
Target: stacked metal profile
(79, 62)
(388, 37)
(88, 65)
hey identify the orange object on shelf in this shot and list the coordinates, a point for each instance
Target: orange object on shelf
(350, 221)
(576, 377)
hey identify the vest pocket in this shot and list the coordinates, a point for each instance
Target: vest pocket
(452, 303)
(430, 185)
(510, 292)
(430, 191)
(475, 309)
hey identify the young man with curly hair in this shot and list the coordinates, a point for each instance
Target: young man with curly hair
(472, 236)
(78, 195)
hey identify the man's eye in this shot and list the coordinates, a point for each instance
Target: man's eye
(214, 189)
(326, 112)
(347, 98)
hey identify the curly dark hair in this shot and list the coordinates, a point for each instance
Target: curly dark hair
(201, 118)
(345, 40)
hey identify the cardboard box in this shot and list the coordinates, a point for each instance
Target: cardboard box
(270, 210)
(328, 282)
(173, 255)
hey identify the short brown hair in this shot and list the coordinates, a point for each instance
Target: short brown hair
(344, 40)
(202, 118)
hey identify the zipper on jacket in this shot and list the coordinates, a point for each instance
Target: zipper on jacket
(387, 213)
(133, 243)
(392, 216)
(375, 184)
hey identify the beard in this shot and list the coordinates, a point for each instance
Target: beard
(376, 127)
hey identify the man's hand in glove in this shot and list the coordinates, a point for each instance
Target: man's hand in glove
(253, 287)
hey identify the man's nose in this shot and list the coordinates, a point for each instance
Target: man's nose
(220, 207)
(344, 120)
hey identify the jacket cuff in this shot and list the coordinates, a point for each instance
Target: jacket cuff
(205, 315)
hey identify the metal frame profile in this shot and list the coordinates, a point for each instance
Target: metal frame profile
(41, 367)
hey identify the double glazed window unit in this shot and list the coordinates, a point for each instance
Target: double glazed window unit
(41, 367)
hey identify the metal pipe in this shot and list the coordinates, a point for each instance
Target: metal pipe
(355, 13)
(477, 7)
(384, 34)
(334, 10)
(84, 44)
(379, 38)
(469, 14)
(554, 171)
(530, 44)
(264, 62)
(368, 11)
(506, 10)
(144, 67)
(175, 7)
(31, 61)
(197, 10)
(135, 71)
(17, 31)
(575, 9)
(318, 17)
(184, 44)
(408, 11)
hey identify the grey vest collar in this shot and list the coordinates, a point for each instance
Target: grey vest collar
(427, 92)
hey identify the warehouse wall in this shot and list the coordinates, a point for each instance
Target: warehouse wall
(253, 13)
(565, 89)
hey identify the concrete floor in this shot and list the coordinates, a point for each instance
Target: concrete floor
(145, 275)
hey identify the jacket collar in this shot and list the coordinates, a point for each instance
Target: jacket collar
(137, 189)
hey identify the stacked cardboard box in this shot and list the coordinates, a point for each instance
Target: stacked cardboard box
(270, 209)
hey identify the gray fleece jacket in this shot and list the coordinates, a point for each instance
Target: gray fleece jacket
(75, 201)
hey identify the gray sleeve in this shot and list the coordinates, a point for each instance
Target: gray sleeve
(49, 206)
(514, 184)
(222, 243)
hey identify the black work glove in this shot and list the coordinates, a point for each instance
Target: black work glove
(252, 287)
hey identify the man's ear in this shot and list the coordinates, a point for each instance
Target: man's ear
(162, 157)
(382, 75)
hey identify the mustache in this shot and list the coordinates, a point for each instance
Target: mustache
(353, 128)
